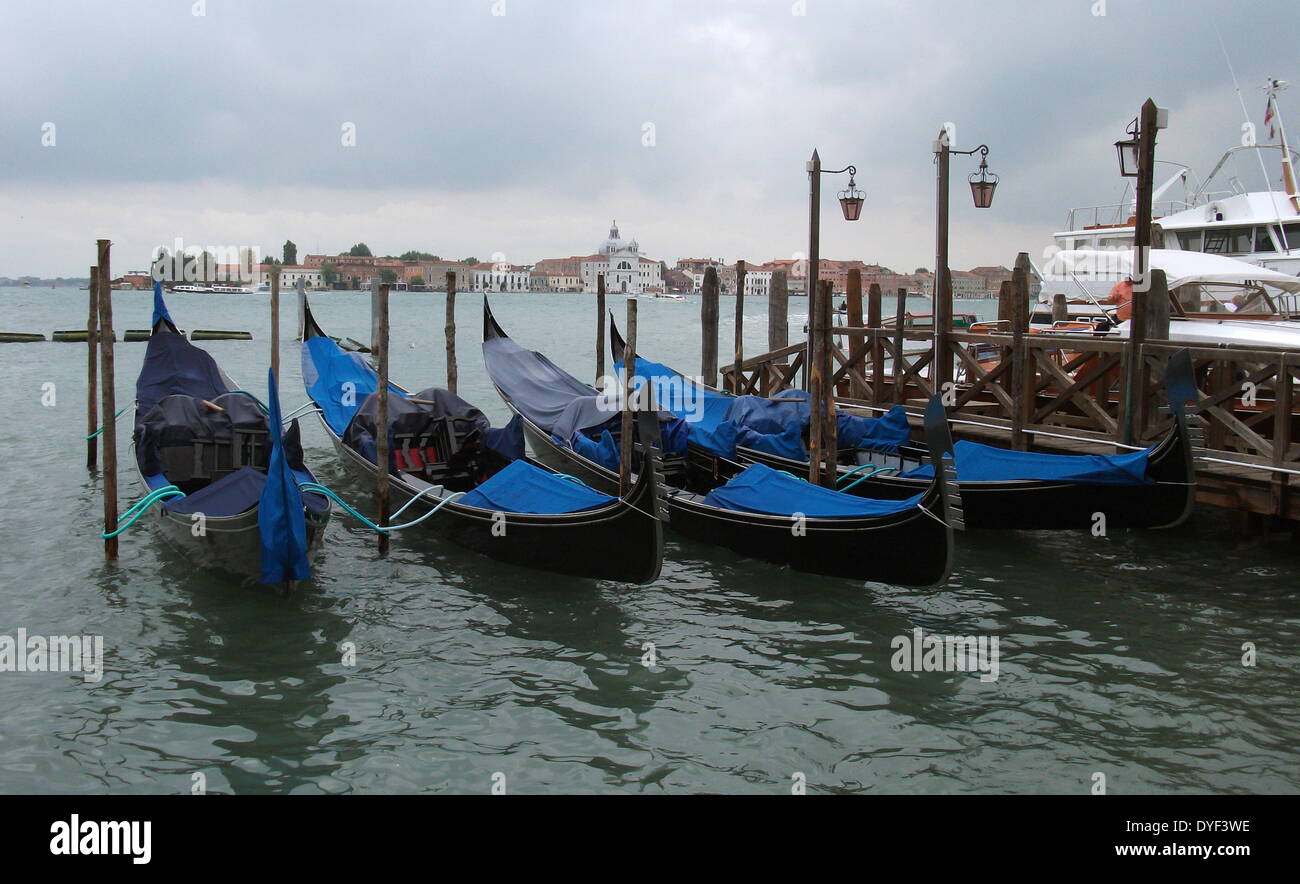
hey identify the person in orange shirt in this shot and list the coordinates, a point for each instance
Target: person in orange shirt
(1122, 294)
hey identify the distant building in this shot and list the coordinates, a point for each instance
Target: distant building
(500, 276)
(290, 274)
(625, 269)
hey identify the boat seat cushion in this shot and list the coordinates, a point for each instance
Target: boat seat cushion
(988, 463)
(761, 489)
(524, 488)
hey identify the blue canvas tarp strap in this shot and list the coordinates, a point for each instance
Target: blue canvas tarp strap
(524, 488)
(761, 489)
(280, 518)
(986, 463)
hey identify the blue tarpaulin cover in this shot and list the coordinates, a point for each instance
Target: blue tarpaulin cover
(232, 494)
(524, 488)
(160, 313)
(986, 463)
(173, 366)
(337, 381)
(768, 420)
(280, 519)
(761, 489)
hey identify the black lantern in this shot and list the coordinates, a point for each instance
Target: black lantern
(851, 199)
(983, 183)
(1128, 152)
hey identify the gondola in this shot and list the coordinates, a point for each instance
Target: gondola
(1152, 488)
(490, 498)
(223, 453)
(758, 512)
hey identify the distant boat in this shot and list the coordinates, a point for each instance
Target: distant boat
(231, 290)
(665, 296)
(193, 289)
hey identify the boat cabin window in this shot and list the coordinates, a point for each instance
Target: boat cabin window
(1291, 232)
(1263, 242)
(1190, 240)
(1229, 240)
(1040, 319)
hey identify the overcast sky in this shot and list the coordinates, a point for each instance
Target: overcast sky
(525, 133)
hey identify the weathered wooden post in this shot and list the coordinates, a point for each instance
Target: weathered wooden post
(1060, 308)
(104, 296)
(380, 346)
(449, 332)
(778, 312)
(600, 328)
(736, 376)
(1130, 427)
(709, 328)
(92, 373)
(857, 346)
(941, 364)
(874, 320)
(374, 316)
(1022, 369)
(1157, 329)
(300, 287)
(900, 319)
(275, 324)
(1006, 296)
(830, 434)
(816, 420)
(627, 430)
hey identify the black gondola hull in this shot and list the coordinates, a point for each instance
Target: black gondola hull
(621, 542)
(909, 549)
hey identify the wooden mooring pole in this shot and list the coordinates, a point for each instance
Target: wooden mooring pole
(104, 296)
(600, 329)
(380, 347)
(300, 287)
(1023, 399)
(830, 434)
(709, 328)
(900, 316)
(275, 324)
(778, 312)
(816, 423)
(857, 345)
(877, 345)
(629, 377)
(740, 328)
(92, 373)
(449, 332)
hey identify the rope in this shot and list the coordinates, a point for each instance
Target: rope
(875, 472)
(388, 529)
(136, 510)
(119, 414)
(305, 408)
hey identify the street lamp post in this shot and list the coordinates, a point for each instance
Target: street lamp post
(817, 356)
(982, 184)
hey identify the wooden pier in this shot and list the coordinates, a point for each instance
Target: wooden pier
(1075, 393)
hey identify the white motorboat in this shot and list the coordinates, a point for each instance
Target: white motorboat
(1217, 217)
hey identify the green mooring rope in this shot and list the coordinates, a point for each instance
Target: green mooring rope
(388, 529)
(137, 509)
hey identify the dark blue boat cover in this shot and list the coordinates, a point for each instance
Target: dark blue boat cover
(172, 365)
(761, 489)
(603, 451)
(280, 519)
(986, 463)
(232, 494)
(160, 313)
(524, 488)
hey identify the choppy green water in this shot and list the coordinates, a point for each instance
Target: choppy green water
(1120, 655)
